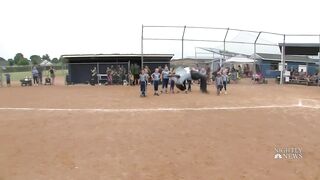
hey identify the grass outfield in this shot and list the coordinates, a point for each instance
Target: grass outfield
(16, 76)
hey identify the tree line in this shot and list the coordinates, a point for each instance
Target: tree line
(20, 60)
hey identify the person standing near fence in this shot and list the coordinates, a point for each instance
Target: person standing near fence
(135, 73)
(8, 79)
(155, 79)
(52, 74)
(39, 68)
(35, 76)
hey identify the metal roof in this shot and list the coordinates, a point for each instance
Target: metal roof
(277, 57)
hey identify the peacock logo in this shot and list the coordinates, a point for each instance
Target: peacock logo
(278, 156)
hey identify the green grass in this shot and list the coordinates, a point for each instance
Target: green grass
(17, 76)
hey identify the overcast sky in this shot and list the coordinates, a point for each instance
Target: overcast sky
(61, 27)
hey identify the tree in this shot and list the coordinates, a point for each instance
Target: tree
(17, 58)
(20, 60)
(10, 62)
(23, 62)
(46, 57)
(55, 60)
(35, 59)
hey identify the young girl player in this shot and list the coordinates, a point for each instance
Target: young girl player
(156, 78)
(143, 83)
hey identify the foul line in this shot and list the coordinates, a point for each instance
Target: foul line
(299, 105)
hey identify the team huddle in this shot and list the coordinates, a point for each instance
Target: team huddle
(181, 77)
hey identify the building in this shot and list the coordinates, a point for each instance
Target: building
(80, 65)
(269, 63)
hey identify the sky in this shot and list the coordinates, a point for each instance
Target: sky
(56, 27)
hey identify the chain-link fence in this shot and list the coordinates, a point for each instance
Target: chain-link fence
(224, 43)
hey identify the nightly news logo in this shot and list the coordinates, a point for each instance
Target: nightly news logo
(288, 153)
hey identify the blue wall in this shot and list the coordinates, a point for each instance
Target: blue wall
(266, 69)
(312, 68)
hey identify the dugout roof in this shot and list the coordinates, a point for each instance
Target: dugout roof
(311, 49)
(292, 58)
(92, 58)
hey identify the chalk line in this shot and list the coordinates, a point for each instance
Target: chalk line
(298, 105)
(156, 109)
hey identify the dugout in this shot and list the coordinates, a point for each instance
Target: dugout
(268, 64)
(79, 66)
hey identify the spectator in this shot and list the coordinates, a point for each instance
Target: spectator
(160, 69)
(39, 68)
(131, 79)
(8, 79)
(35, 75)
(52, 74)
(239, 71)
(208, 70)
(302, 74)
(93, 79)
(135, 73)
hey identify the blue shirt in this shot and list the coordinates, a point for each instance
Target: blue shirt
(224, 77)
(35, 72)
(218, 80)
(165, 74)
(143, 77)
(7, 76)
(156, 76)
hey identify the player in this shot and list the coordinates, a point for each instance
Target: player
(142, 81)
(219, 83)
(155, 78)
(165, 79)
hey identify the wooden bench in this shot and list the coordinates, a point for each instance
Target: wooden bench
(299, 81)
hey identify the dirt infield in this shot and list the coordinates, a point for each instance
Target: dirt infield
(109, 132)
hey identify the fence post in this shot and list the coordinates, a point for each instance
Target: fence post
(255, 53)
(182, 42)
(142, 50)
(224, 47)
(283, 59)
